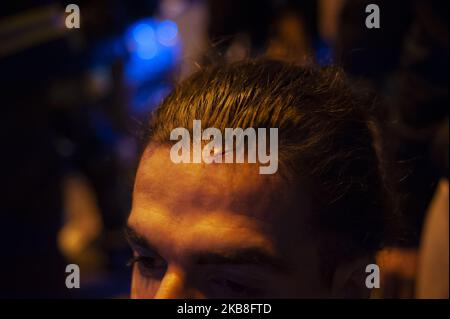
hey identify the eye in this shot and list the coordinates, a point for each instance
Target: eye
(230, 288)
(149, 266)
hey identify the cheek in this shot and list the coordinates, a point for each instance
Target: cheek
(143, 287)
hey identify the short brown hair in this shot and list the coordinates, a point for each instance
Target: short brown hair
(325, 137)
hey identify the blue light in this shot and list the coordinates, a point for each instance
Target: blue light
(153, 48)
(143, 34)
(147, 51)
(143, 40)
(167, 32)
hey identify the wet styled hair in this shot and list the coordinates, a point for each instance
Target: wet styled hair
(325, 137)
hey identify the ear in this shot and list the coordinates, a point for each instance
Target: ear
(349, 279)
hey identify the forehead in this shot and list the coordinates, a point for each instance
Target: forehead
(235, 187)
(233, 200)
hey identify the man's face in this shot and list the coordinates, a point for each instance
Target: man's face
(219, 231)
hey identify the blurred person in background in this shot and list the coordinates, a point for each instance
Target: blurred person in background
(239, 23)
(433, 261)
(284, 30)
(405, 62)
(65, 190)
(290, 38)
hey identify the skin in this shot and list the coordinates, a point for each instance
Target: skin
(432, 276)
(219, 231)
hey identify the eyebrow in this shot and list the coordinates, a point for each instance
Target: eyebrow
(241, 256)
(244, 256)
(136, 240)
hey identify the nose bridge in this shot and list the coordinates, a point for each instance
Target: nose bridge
(176, 285)
(172, 285)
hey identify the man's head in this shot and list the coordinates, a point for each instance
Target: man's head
(224, 230)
